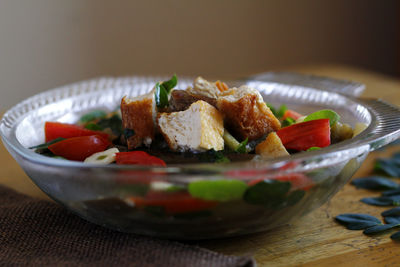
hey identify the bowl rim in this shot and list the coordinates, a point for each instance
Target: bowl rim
(382, 130)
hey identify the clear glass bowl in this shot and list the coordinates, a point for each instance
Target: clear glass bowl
(104, 194)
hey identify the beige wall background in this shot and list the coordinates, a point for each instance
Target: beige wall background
(48, 43)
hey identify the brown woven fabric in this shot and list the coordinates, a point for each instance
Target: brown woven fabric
(36, 232)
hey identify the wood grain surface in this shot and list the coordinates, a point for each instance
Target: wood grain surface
(315, 239)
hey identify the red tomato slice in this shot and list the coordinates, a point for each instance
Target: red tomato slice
(292, 114)
(301, 136)
(79, 148)
(173, 203)
(54, 130)
(138, 158)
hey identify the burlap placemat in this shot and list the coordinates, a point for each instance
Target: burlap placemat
(36, 232)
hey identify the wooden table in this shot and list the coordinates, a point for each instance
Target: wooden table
(314, 240)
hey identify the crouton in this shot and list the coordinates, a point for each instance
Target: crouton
(199, 128)
(271, 147)
(246, 114)
(202, 87)
(138, 119)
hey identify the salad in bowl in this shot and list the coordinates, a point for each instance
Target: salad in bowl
(206, 122)
(195, 159)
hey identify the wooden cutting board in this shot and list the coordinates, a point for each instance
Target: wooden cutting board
(315, 239)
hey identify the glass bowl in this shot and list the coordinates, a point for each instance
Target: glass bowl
(241, 197)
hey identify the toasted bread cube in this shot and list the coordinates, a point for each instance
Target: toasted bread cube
(138, 115)
(246, 114)
(271, 147)
(202, 87)
(200, 127)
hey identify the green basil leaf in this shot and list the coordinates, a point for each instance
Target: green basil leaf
(93, 115)
(288, 121)
(313, 148)
(162, 91)
(272, 108)
(222, 159)
(168, 85)
(324, 114)
(212, 156)
(161, 96)
(47, 144)
(43, 149)
(114, 123)
(241, 148)
(277, 112)
(281, 111)
(93, 127)
(219, 190)
(270, 193)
